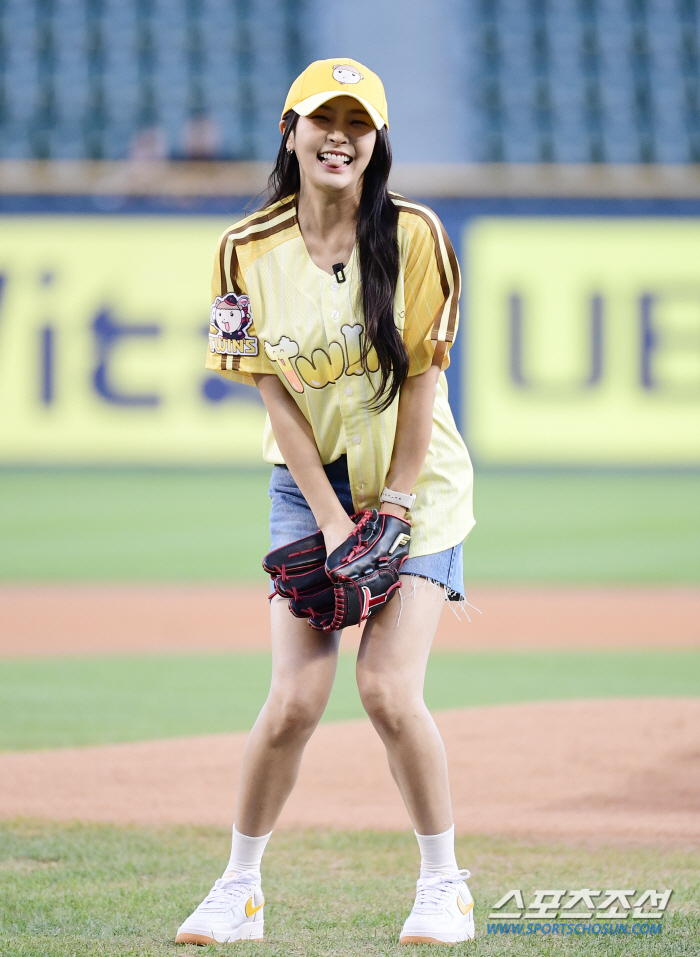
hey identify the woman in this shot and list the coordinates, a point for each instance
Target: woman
(352, 298)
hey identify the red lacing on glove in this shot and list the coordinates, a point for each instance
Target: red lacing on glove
(357, 531)
(305, 551)
(340, 611)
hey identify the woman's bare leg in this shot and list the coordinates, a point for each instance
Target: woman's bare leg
(390, 675)
(303, 668)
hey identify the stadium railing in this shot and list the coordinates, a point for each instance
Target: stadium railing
(207, 179)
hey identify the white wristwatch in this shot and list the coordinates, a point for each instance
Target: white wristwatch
(398, 498)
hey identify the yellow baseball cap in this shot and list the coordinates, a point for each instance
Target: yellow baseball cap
(324, 79)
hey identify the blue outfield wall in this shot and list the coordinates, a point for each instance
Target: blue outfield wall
(579, 344)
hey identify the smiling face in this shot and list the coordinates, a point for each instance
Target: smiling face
(228, 320)
(334, 144)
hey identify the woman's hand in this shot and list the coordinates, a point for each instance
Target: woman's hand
(398, 510)
(336, 531)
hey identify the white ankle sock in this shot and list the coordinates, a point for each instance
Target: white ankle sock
(437, 852)
(246, 852)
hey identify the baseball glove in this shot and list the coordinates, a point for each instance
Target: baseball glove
(298, 567)
(316, 603)
(352, 583)
(365, 570)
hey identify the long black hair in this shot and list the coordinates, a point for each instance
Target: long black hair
(378, 253)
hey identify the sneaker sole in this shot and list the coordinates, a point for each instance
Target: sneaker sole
(201, 940)
(433, 940)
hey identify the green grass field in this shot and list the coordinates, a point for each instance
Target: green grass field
(537, 527)
(89, 890)
(79, 890)
(59, 702)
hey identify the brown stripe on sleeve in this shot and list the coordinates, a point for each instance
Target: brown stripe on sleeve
(255, 237)
(457, 280)
(264, 216)
(222, 265)
(239, 231)
(444, 282)
(230, 363)
(233, 268)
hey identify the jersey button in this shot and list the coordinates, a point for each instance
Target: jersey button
(335, 286)
(335, 314)
(356, 439)
(347, 390)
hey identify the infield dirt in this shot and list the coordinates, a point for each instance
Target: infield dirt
(605, 770)
(108, 619)
(620, 770)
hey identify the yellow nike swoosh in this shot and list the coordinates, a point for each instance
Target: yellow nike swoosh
(465, 908)
(249, 909)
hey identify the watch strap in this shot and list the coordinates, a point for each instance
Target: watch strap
(404, 499)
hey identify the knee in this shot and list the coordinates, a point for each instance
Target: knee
(386, 704)
(292, 717)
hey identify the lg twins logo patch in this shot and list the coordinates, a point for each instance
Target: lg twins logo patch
(230, 315)
(230, 320)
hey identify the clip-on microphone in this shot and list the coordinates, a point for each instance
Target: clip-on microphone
(338, 271)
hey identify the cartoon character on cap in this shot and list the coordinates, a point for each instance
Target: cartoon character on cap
(345, 73)
(230, 315)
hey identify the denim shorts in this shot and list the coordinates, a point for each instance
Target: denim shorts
(291, 518)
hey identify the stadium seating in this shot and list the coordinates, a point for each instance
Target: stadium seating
(589, 80)
(548, 80)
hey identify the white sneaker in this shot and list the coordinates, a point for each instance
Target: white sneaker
(232, 910)
(443, 912)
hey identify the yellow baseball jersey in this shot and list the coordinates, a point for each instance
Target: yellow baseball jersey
(274, 311)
